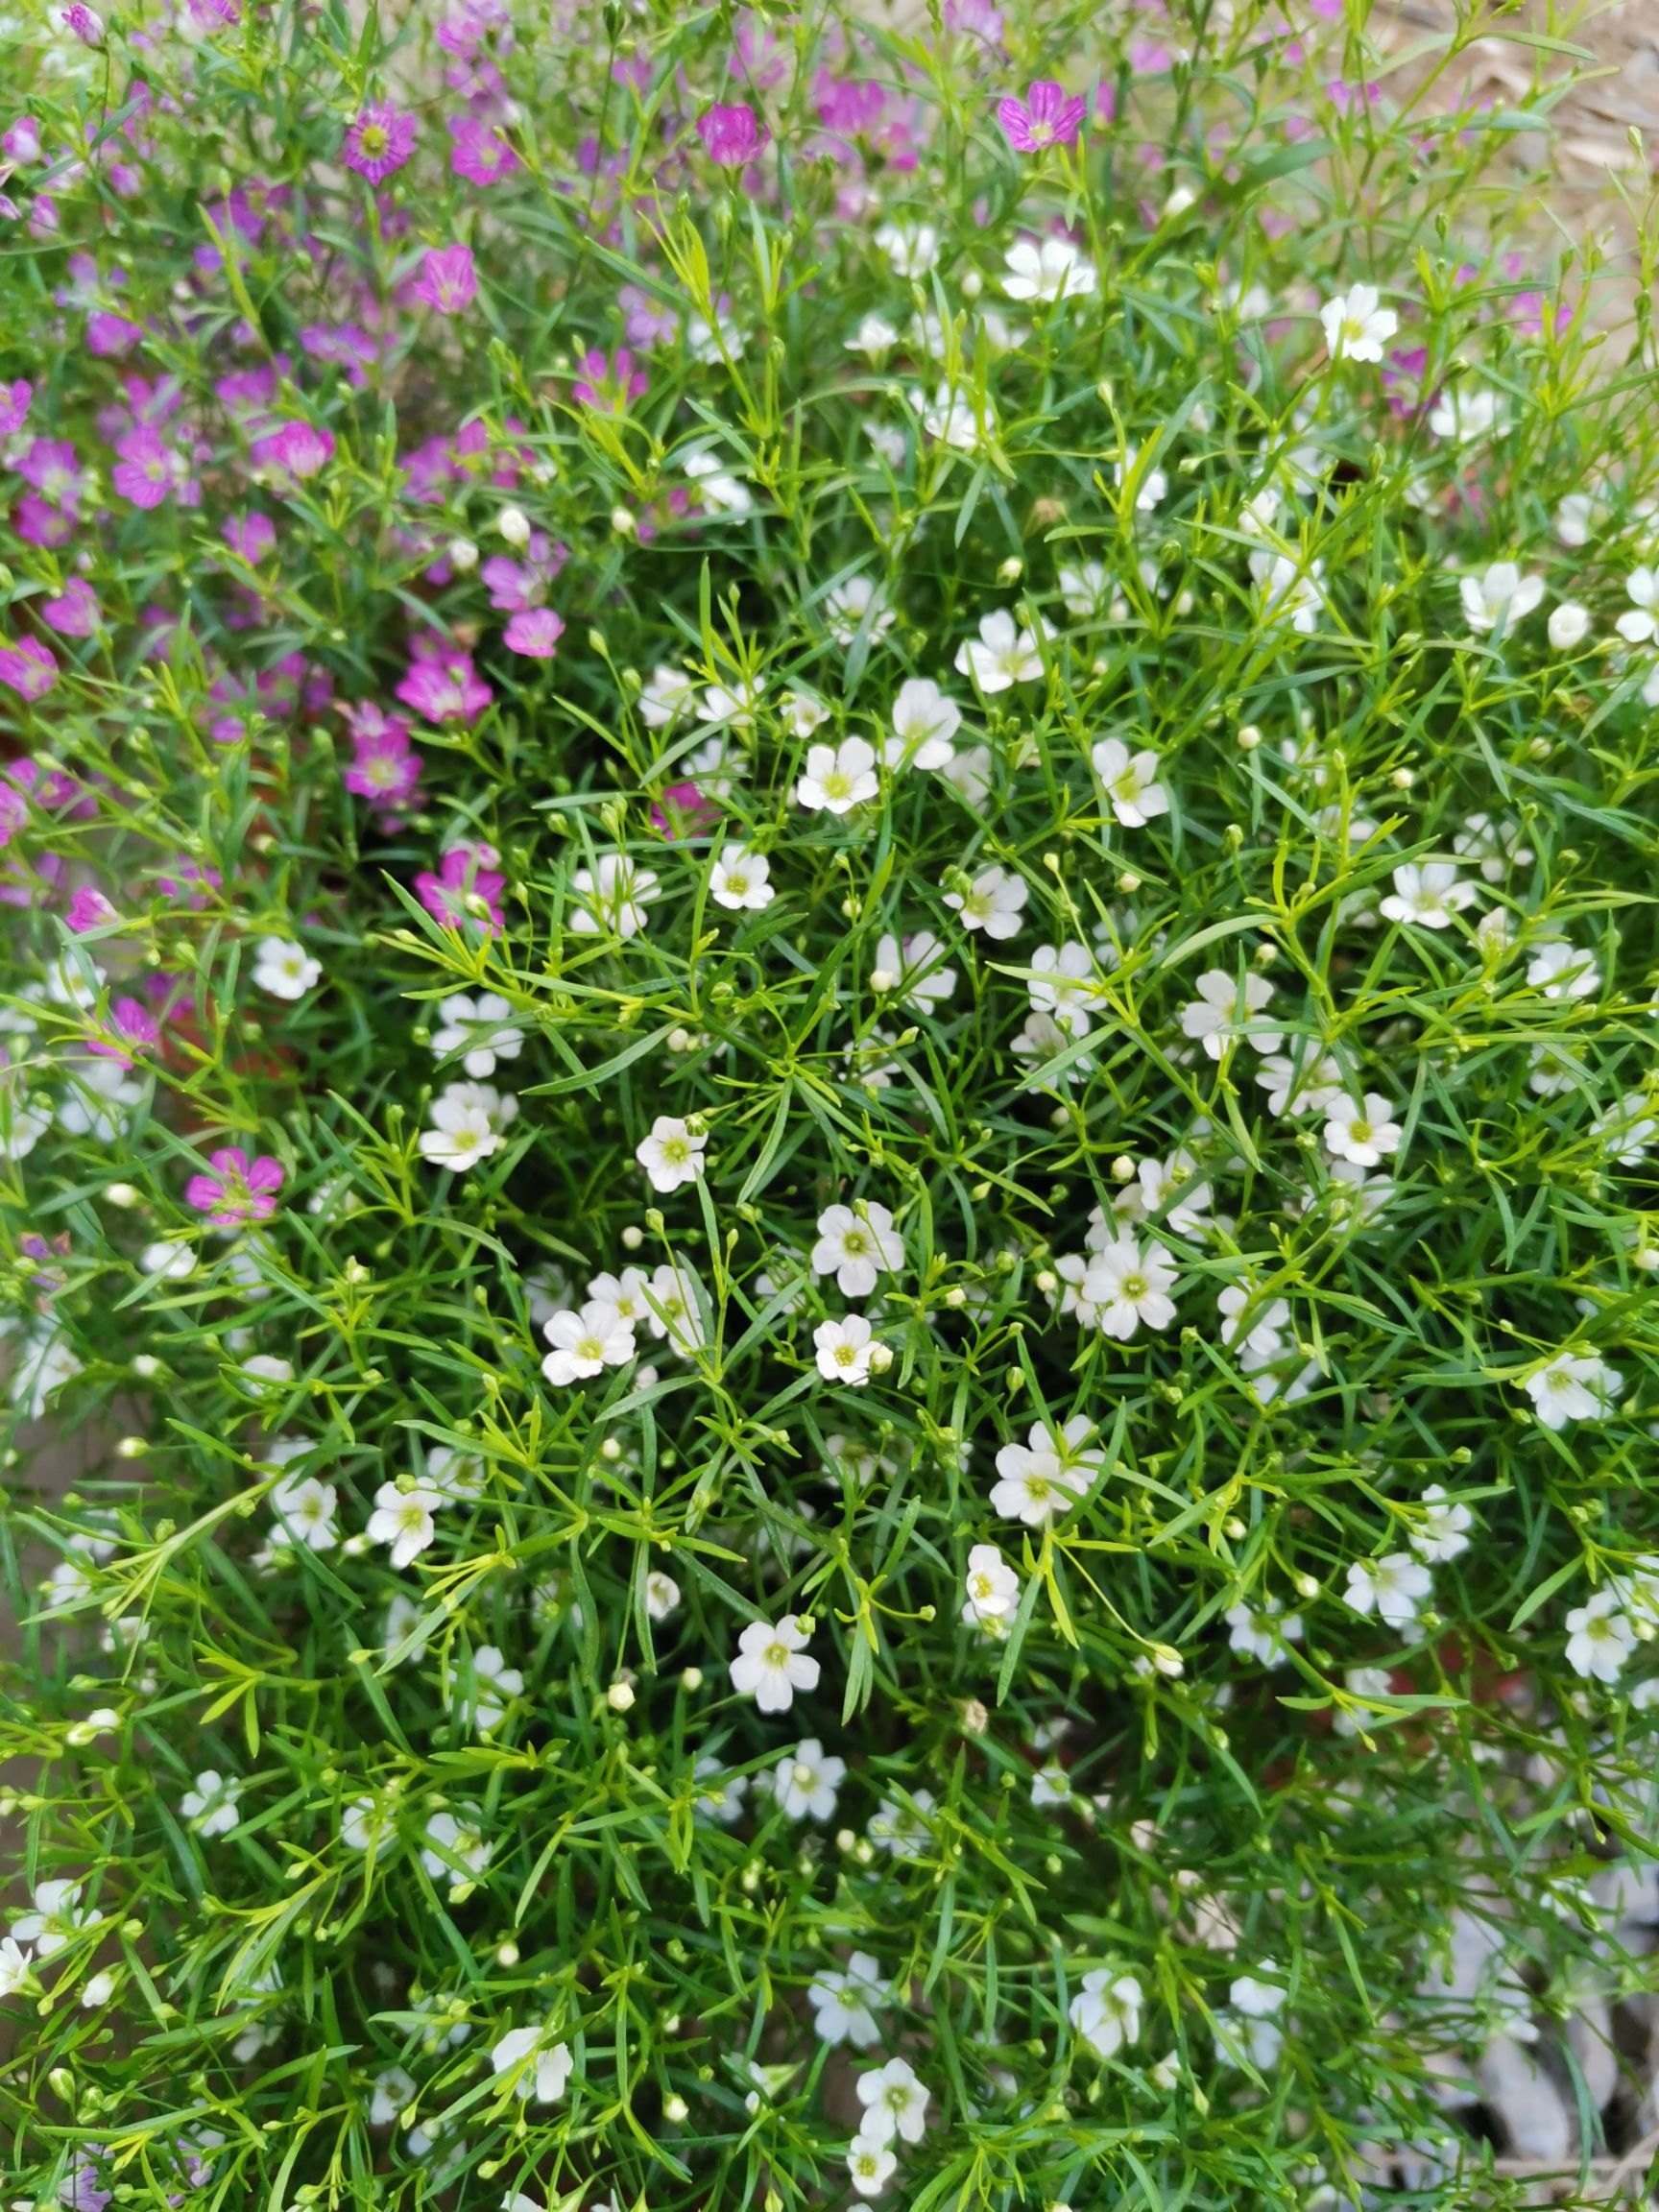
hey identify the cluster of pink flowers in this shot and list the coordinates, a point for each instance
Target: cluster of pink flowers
(238, 1190)
(467, 889)
(385, 766)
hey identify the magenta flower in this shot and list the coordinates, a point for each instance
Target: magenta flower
(613, 390)
(684, 810)
(83, 22)
(445, 688)
(385, 768)
(29, 667)
(300, 450)
(378, 141)
(133, 1029)
(237, 1192)
(1045, 118)
(253, 536)
(464, 889)
(14, 813)
(14, 401)
(514, 585)
(90, 909)
(479, 153)
(731, 135)
(449, 281)
(75, 613)
(535, 632)
(148, 469)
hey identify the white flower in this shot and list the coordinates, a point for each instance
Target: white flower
(992, 1586)
(1047, 269)
(1572, 1386)
(305, 1507)
(467, 1120)
(672, 1154)
(956, 418)
(855, 1248)
(23, 1125)
(993, 902)
(739, 879)
(455, 1850)
(1311, 1087)
(662, 1593)
(534, 2062)
(479, 1029)
(1106, 2010)
(1131, 782)
(844, 2005)
(1356, 327)
(844, 1350)
(801, 713)
(1048, 1473)
(914, 969)
(870, 2165)
(902, 1829)
(673, 1308)
(405, 1519)
(1083, 590)
(1289, 589)
(1560, 970)
(1639, 626)
(874, 338)
(1599, 1638)
(1002, 655)
(1429, 894)
(665, 697)
(1394, 1588)
(1063, 982)
(850, 607)
(211, 1806)
(56, 1917)
(364, 1823)
(287, 970)
(1226, 1012)
(1127, 1286)
(392, 2092)
(1569, 625)
(773, 1663)
(612, 896)
(721, 1795)
(1149, 491)
(1440, 1532)
(1464, 413)
(495, 1685)
(1503, 594)
(1261, 1632)
(805, 1781)
(839, 776)
(894, 2102)
(912, 249)
(15, 1967)
(924, 723)
(1363, 1133)
(585, 1342)
(722, 492)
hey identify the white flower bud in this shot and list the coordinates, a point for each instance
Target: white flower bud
(514, 525)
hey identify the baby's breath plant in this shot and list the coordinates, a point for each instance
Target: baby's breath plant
(828, 1094)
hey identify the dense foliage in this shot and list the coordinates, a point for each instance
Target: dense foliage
(828, 863)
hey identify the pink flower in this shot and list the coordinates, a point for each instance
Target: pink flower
(385, 769)
(449, 281)
(83, 22)
(444, 687)
(133, 1029)
(76, 612)
(14, 401)
(464, 890)
(28, 667)
(479, 153)
(683, 811)
(251, 535)
(595, 387)
(378, 141)
(148, 469)
(535, 632)
(300, 450)
(1045, 118)
(731, 135)
(90, 909)
(236, 1192)
(14, 813)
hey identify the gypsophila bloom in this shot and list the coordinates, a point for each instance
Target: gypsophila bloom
(924, 721)
(805, 1781)
(405, 1520)
(532, 2062)
(378, 141)
(1002, 655)
(856, 1247)
(1106, 2010)
(839, 776)
(993, 902)
(1501, 595)
(283, 969)
(1599, 1638)
(1572, 1386)
(1365, 1131)
(844, 1350)
(1047, 269)
(845, 2004)
(773, 1663)
(672, 1154)
(993, 1587)
(740, 880)
(1045, 118)
(1430, 895)
(1357, 327)
(211, 1806)
(1131, 782)
(615, 895)
(467, 1124)
(895, 2104)
(586, 1341)
(1394, 1588)
(480, 1030)
(1228, 1011)
(871, 2164)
